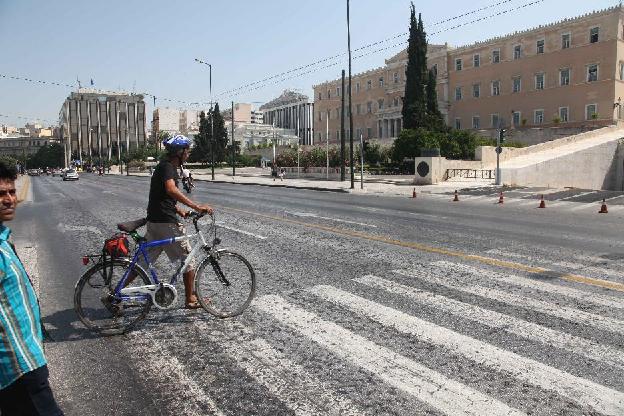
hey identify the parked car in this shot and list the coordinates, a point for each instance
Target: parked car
(70, 175)
(33, 172)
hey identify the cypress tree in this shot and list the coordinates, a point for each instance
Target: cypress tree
(220, 134)
(414, 102)
(435, 121)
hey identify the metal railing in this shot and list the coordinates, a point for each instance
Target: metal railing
(471, 173)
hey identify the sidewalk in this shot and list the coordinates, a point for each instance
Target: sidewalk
(391, 185)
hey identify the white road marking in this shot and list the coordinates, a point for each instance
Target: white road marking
(576, 196)
(563, 312)
(277, 373)
(493, 319)
(227, 227)
(109, 192)
(65, 227)
(311, 215)
(185, 395)
(590, 297)
(585, 392)
(431, 387)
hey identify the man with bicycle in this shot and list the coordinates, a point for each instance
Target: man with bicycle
(162, 211)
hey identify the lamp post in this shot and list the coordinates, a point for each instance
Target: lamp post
(350, 118)
(212, 140)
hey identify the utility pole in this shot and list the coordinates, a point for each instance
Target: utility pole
(350, 118)
(233, 145)
(327, 145)
(342, 131)
(361, 162)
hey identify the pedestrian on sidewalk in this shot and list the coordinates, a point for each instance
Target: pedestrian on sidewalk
(274, 172)
(24, 386)
(282, 173)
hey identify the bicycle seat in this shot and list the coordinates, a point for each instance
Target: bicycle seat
(130, 226)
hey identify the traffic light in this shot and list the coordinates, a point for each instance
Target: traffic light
(501, 135)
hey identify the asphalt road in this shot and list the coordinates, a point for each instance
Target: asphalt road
(365, 305)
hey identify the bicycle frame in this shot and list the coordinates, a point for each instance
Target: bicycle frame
(142, 251)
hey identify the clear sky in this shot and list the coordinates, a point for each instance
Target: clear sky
(150, 46)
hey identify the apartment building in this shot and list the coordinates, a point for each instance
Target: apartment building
(565, 74)
(97, 124)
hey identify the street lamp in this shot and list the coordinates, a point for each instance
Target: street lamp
(350, 113)
(211, 119)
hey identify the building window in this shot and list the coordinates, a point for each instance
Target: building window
(369, 84)
(458, 123)
(357, 87)
(320, 116)
(476, 90)
(539, 81)
(621, 71)
(538, 116)
(381, 81)
(517, 84)
(564, 76)
(320, 96)
(476, 60)
(475, 122)
(358, 109)
(328, 114)
(434, 69)
(517, 51)
(328, 94)
(458, 64)
(591, 111)
(495, 121)
(369, 132)
(395, 102)
(496, 56)
(369, 107)
(516, 118)
(338, 91)
(565, 41)
(380, 104)
(563, 114)
(495, 87)
(396, 77)
(593, 35)
(592, 72)
(458, 93)
(540, 46)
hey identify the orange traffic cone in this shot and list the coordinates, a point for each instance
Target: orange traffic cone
(456, 199)
(500, 198)
(603, 208)
(542, 203)
(414, 193)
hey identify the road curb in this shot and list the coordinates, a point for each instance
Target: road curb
(310, 188)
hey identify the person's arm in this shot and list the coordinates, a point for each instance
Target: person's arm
(173, 191)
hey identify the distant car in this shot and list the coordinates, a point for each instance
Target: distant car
(57, 172)
(33, 172)
(70, 175)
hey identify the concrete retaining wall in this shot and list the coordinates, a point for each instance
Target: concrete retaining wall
(595, 167)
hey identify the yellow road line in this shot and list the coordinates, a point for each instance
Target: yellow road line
(430, 249)
(23, 191)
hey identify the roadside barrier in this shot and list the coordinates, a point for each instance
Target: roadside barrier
(603, 208)
(542, 203)
(456, 199)
(414, 193)
(500, 198)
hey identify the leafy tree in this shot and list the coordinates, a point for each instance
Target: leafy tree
(372, 153)
(47, 156)
(201, 150)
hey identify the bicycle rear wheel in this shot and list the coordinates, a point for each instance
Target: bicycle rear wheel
(96, 306)
(225, 284)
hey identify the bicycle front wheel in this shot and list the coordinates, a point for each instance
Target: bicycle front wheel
(97, 307)
(225, 284)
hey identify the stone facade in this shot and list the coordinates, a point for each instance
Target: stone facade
(291, 111)
(568, 74)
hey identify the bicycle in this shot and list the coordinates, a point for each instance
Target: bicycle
(126, 301)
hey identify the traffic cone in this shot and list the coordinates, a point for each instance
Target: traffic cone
(603, 208)
(414, 193)
(542, 203)
(500, 198)
(456, 199)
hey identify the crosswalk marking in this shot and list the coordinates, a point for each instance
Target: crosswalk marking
(571, 314)
(431, 387)
(276, 372)
(585, 392)
(493, 319)
(590, 297)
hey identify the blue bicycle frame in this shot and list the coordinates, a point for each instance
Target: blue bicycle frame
(142, 250)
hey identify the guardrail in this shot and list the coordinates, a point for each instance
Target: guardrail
(470, 173)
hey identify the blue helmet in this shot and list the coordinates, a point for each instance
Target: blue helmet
(177, 142)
